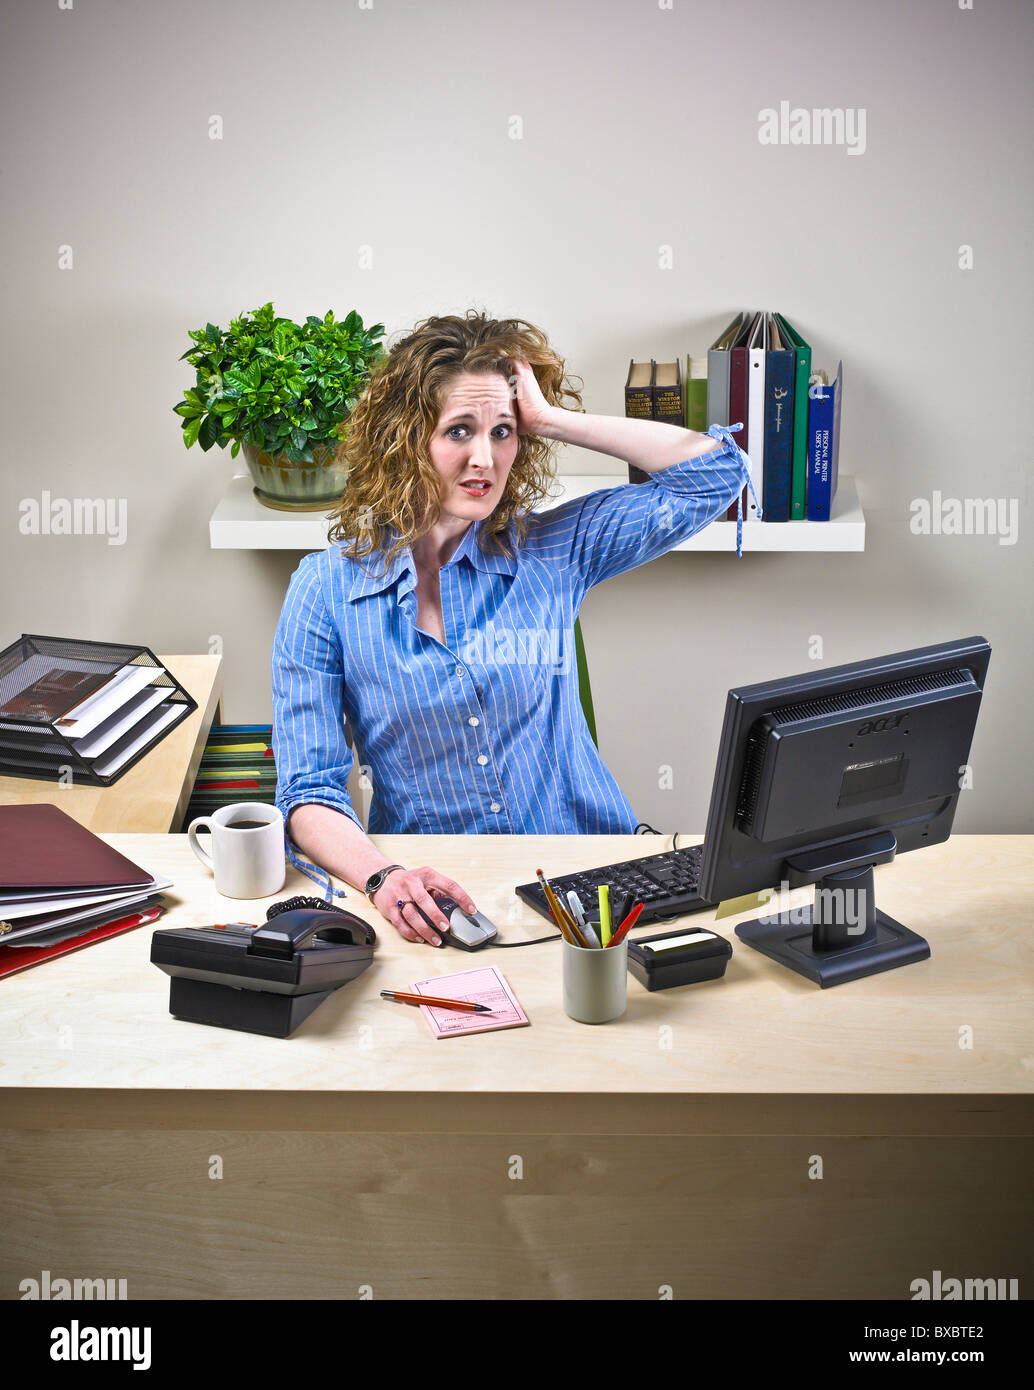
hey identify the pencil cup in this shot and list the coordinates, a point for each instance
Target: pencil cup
(594, 982)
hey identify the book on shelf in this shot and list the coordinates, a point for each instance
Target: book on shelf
(757, 373)
(802, 380)
(742, 384)
(657, 385)
(824, 397)
(696, 394)
(780, 371)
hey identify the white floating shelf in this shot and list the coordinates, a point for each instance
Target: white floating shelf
(241, 522)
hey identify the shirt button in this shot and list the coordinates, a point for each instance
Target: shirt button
(459, 670)
(495, 806)
(482, 759)
(474, 720)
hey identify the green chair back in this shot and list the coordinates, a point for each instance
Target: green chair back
(584, 688)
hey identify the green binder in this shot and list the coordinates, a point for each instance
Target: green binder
(802, 380)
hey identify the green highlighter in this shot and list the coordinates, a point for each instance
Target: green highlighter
(603, 893)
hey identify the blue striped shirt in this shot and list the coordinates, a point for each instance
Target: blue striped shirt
(484, 734)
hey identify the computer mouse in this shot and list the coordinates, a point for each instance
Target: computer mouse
(468, 931)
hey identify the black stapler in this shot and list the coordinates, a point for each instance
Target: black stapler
(263, 979)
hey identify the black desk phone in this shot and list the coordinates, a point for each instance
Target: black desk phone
(263, 979)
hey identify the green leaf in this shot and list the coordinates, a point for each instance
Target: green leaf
(190, 431)
(299, 438)
(236, 381)
(212, 333)
(253, 376)
(187, 411)
(210, 430)
(281, 340)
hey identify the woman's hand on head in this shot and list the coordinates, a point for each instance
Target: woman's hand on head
(411, 886)
(534, 413)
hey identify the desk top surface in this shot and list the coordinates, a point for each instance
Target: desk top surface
(960, 1022)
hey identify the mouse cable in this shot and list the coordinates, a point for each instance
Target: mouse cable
(557, 936)
(643, 829)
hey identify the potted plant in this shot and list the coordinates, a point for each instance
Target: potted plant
(282, 392)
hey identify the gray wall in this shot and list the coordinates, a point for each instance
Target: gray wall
(388, 126)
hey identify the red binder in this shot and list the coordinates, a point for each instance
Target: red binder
(14, 958)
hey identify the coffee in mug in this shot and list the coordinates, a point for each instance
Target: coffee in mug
(247, 854)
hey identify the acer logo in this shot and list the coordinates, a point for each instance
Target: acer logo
(880, 726)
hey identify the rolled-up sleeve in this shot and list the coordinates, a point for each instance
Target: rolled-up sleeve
(617, 529)
(313, 758)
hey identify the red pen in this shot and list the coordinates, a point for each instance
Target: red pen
(625, 927)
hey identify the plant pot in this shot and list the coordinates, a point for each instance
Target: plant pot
(296, 487)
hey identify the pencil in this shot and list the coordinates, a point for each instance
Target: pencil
(400, 997)
(563, 919)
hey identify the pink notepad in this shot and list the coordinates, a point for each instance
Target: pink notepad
(484, 986)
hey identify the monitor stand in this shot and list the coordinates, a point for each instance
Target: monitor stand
(826, 942)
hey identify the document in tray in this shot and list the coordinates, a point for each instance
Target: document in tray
(57, 691)
(141, 734)
(119, 723)
(84, 718)
(484, 986)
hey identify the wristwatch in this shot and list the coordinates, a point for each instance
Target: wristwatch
(376, 879)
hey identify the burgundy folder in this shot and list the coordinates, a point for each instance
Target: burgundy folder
(42, 847)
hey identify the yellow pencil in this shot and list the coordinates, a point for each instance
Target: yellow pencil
(562, 918)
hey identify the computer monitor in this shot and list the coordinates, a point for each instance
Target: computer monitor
(822, 776)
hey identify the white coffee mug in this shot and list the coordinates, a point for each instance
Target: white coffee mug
(247, 859)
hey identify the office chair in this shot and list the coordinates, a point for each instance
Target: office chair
(584, 688)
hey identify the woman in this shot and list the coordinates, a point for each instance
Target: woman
(441, 623)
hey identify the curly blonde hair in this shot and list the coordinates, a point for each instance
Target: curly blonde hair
(392, 482)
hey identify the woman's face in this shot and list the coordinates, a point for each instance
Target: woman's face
(475, 439)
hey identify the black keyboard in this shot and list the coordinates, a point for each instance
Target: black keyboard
(666, 884)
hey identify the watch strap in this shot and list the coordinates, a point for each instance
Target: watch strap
(378, 876)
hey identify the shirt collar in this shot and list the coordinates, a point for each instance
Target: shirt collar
(373, 577)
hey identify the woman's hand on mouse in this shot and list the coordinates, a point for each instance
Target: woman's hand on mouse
(411, 887)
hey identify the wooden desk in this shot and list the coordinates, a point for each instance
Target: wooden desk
(675, 1147)
(153, 795)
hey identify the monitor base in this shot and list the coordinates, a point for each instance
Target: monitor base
(792, 945)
